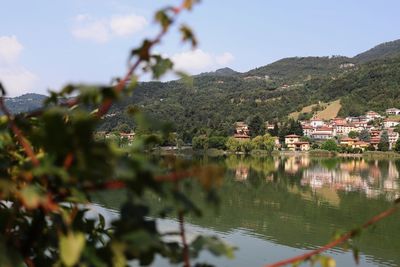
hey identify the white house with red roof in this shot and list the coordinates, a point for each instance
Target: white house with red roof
(372, 115)
(316, 122)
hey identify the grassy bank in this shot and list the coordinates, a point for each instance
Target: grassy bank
(381, 154)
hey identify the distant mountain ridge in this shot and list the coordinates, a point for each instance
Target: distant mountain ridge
(26, 102)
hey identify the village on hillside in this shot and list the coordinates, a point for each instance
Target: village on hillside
(363, 132)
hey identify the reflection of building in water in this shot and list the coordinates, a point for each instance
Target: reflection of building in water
(242, 172)
(294, 164)
(348, 178)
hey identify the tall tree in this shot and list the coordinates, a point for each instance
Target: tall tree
(364, 135)
(256, 126)
(384, 142)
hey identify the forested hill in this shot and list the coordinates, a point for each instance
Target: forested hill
(213, 101)
(382, 51)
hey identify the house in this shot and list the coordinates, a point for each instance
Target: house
(344, 129)
(277, 143)
(336, 121)
(242, 131)
(307, 130)
(372, 115)
(348, 142)
(361, 145)
(128, 136)
(269, 126)
(322, 133)
(316, 122)
(321, 136)
(293, 143)
(393, 111)
(393, 137)
(390, 123)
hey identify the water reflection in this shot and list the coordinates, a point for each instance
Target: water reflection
(279, 206)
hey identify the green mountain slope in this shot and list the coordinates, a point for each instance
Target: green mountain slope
(382, 51)
(213, 101)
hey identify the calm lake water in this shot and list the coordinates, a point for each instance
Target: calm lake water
(274, 208)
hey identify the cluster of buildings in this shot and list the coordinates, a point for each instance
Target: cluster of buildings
(318, 129)
(339, 128)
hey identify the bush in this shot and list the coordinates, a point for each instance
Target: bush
(217, 142)
(329, 145)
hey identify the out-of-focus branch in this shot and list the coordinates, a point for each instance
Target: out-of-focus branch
(338, 241)
(186, 258)
(106, 105)
(18, 134)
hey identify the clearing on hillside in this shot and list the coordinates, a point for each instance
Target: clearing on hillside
(330, 111)
(307, 109)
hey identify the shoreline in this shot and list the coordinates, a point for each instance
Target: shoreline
(311, 153)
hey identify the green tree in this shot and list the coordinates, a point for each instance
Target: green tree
(365, 135)
(217, 142)
(397, 146)
(265, 142)
(383, 144)
(353, 134)
(275, 131)
(200, 142)
(232, 144)
(329, 145)
(256, 126)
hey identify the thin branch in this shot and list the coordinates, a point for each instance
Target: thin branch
(338, 241)
(18, 134)
(106, 105)
(186, 258)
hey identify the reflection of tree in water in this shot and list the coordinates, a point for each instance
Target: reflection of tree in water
(282, 210)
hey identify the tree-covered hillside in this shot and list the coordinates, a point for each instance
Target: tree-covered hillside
(382, 51)
(298, 69)
(211, 102)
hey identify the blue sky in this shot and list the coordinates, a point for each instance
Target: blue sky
(45, 44)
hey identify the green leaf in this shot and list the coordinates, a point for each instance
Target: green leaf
(164, 20)
(161, 66)
(71, 247)
(214, 245)
(187, 35)
(31, 196)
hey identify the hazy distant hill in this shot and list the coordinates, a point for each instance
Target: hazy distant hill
(25, 102)
(221, 72)
(382, 51)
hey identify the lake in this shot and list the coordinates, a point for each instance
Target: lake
(276, 207)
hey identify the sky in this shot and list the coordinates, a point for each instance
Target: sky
(45, 44)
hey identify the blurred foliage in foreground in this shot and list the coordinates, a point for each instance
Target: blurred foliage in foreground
(50, 163)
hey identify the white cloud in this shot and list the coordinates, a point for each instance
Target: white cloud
(96, 31)
(17, 80)
(103, 30)
(10, 49)
(197, 61)
(225, 58)
(127, 25)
